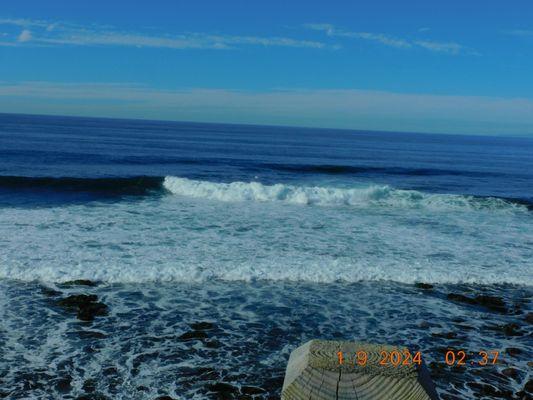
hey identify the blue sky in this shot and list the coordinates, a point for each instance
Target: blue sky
(429, 66)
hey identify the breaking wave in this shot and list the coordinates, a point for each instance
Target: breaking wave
(376, 195)
(356, 196)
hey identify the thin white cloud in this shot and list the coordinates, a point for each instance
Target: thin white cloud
(22, 22)
(353, 109)
(391, 41)
(451, 48)
(384, 39)
(60, 33)
(25, 36)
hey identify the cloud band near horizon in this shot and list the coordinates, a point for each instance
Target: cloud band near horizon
(345, 109)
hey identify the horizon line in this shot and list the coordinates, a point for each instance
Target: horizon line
(354, 130)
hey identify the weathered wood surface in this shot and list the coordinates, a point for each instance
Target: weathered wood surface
(314, 373)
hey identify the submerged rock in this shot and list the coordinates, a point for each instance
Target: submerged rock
(193, 335)
(212, 344)
(445, 335)
(89, 311)
(425, 286)
(461, 298)
(513, 351)
(49, 292)
(78, 282)
(491, 302)
(510, 372)
(63, 385)
(485, 389)
(77, 300)
(508, 329)
(222, 387)
(91, 335)
(89, 385)
(251, 390)
(93, 396)
(202, 326)
(86, 306)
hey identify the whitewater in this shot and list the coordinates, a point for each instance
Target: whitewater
(197, 231)
(369, 196)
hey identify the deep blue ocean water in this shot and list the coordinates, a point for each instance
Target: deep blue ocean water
(274, 235)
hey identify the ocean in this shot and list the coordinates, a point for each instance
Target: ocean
(218, 249)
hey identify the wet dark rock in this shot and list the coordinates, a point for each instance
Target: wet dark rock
(425, 286)
(522, 395)
(164, 398)
(34, 380)
(492, 302)
(110, 371)
(202, 326)
(464, 327)
(78, 282)
(86, 306)
(461, 298)
(244, 397)
(437, 369)
(193, 335)
(484, 389)
(510, 329)
(93, 396)
(63, 385)
(251, 390)
(212, 344)
(424, 324)
(77, 300)
(89, 385)
(529, 318)
(91, 335)
(513, 351)
(528, 387)
(222, 387)
(89, 311)
(142, 388)
(49, 292)
(144, 358)
(510, 372)
(273, 384)
(445, 335)
(195, 371)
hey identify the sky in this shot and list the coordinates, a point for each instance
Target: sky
(463, 67)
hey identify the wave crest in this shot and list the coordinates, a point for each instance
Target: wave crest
(376, 195)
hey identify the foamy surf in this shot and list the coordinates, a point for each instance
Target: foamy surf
(375, 195)
(179, 238)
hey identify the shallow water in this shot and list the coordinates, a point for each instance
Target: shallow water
(138, 350)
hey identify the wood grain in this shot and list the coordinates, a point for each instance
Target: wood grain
(314, 373)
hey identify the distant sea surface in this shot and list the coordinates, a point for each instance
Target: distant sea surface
(261, 238)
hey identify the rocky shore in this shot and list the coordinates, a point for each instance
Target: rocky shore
(231, 347)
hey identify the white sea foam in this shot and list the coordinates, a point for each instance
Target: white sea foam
(375, 195)
(186, 239)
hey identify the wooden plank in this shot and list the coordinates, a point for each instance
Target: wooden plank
(314, 373)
